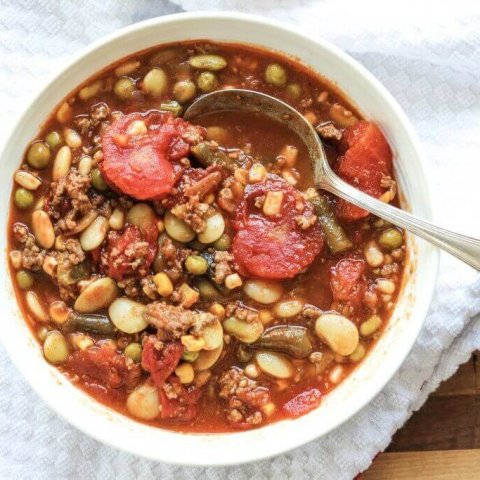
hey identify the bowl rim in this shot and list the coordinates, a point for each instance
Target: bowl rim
(258, 21)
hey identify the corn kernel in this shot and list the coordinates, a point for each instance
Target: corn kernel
(16, 259)
(185, 373)
(273, 203)
(290, 154)
(164, 284)
(188, 295)
(257, 173)
(233, 281)
(241, 175)
(137, 128)
(217, 310)
(192, 343)
(269, 409)
(265, 316)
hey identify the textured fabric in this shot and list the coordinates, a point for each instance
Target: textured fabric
(428, 55)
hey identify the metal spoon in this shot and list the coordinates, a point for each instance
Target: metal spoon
(465, 248)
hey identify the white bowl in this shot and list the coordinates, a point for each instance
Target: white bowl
(375, 103)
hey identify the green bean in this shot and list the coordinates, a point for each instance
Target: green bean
(38, 155)
(337, 239)
(54, 139)
(98, 182)
(89, 322)
(23, 198)
(207, 82)
(24, 279)
(276, 75)
(134, 351)
(208, 154)
(292, 340)
(124, 88)
(172, 106)
(390, 239)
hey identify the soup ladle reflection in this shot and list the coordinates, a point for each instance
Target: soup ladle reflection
(463, 247)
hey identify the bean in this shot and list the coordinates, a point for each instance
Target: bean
(342, 117)
(127, 315)
(164, 284)
(27, 180)
(72, 138)
(252, 371)
(172, 106)
(196, 265)
(124, 88)
(117, 219)
(163, 56)
(276, 75)
(143, 216)
(207, 290)
(214, 228)
(207, 82)
(43, 229)
(335, 235)
(385, 286)
(134, 352)
(94, 235)
(55, 348)
(62, 163)
(177, 228)
(99, 294)
(294, 90)
(292, 340)
(59, 312)
(373, 255)
(143, 402)
(207, 358)
(85, 165)
(64, 113)
(288, 308)
(274, 364)
(338, 332)
(35, 307)
(23, 198)
(38, 155)
(358, 353)
(208, 62)
(97, 324)
(223, 243)
(127, 68)
(54, 139)
(390, 239)
(263, 291)
(184, 90)
(24, 279)
(98, 182)
(246, 332)
(155, 82)
(370, 326)
(88, 92)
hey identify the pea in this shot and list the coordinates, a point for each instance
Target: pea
(38, 155)
(190, 356)
(54, 139)
(23, 198)
(223, 243)
(124, 88)
(390, 239)
(294, 90)
(276, 75)
(207, 82)
(98, 181)
(24, 279)
(196, 264)
(155, 82)
(134, 351)
(172, 106)
(207, 290)
(208, 62)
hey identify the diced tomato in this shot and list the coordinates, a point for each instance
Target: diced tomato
(104, 365)
(303, 403)
(120, 258)
(143, 166)
(274, 247)
(367, 159)
(182, 404)
(347, 281)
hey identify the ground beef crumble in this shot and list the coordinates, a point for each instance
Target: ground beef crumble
(223, 265)
(239, 311)
(32, 255)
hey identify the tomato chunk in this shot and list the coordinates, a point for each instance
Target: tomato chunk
(143, 161)
(367, 159)
(275, 246)
(303, 403)
(347, 281)
(129, 253)
(102, 365)
(177, 401)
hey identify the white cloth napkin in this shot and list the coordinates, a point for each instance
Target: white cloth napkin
(428, 55)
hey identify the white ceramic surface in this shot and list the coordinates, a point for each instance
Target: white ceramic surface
(222, 449)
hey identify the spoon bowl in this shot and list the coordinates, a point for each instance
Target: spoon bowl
(465, 248)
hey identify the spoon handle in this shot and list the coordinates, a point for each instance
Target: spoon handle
(465, 248)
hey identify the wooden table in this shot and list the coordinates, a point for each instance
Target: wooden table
(442, 439)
